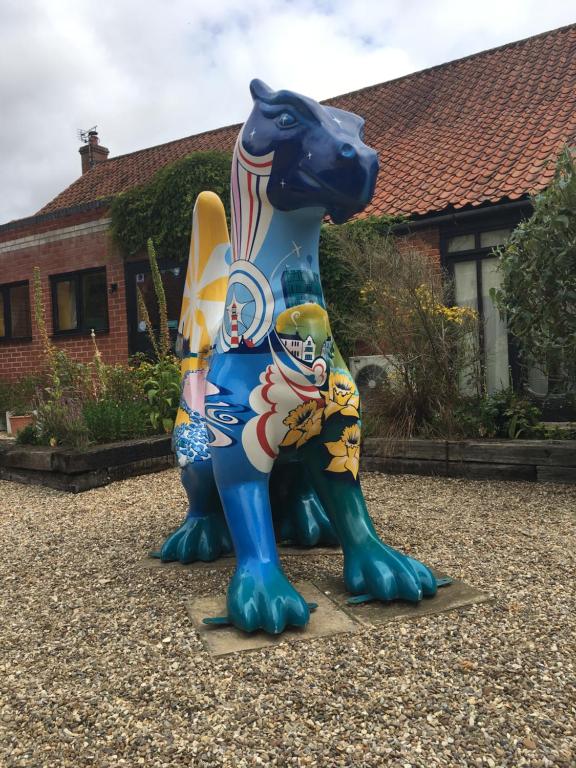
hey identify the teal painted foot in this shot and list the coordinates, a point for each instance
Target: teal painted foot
(198, 538)
(299, 516)
(312, 528)
(377, 571)
(261, 597)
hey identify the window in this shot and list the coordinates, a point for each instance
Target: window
(15, 320)
(79, 301)
(172, 282)
(473, 266)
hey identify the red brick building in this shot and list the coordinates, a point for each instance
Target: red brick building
(462, 146)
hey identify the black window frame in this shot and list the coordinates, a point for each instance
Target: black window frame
(76, 276)
(5, 291)
(494, 220)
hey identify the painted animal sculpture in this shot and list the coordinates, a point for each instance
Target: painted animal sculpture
(263, 381)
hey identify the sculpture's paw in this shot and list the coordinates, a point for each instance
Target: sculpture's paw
(312, 528)
(380, 572)
(198, 538)
(261, 597)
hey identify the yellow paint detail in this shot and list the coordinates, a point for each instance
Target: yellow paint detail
(206, 275)
(216, 290)
(309, 313)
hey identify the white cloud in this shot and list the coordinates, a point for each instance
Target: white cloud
(149, 73)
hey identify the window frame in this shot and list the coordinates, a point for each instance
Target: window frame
(477, 255)
(76, 277)
(7, 306)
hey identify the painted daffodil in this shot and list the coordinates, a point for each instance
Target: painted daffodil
(342, 396)
(304, 422)
(345, 452)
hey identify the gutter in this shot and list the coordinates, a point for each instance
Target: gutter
(460, 216)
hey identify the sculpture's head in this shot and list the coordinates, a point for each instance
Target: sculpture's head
(320, 159)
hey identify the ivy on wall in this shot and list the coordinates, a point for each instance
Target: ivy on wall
(162, 209)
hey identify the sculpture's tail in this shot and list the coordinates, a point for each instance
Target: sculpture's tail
(206, 278)
(202, 305)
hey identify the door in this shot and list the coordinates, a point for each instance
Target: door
(139, 277)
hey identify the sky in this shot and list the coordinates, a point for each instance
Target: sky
(150, 72)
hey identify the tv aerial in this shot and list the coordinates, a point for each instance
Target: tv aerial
(84, 135)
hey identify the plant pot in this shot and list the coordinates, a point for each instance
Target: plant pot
(17, 423)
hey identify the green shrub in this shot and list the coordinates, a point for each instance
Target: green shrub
(538, 268)
(28, 436)
(60, 422)
(162, 389)
(503, 414)
(108, 421)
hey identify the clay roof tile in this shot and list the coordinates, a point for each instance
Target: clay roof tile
(488, 126)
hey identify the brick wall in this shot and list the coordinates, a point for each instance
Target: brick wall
(426, 241)
(56, 247)
(77, 245)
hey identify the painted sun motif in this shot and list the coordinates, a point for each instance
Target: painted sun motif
(345, 452)
(342, 396)
(304, 422)
(206, 276)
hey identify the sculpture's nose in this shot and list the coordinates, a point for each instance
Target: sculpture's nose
(347, 152)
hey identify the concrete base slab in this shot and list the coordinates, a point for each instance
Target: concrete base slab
(227, 561)
(326, 620)
(455, 595)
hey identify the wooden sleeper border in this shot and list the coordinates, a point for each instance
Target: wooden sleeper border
(74, 470)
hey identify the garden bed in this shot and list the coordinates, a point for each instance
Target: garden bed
(535, 460)
(75, 470)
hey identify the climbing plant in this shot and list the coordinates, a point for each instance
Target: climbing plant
(162, 208)
(538, 267)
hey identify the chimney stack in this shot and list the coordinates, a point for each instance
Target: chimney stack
(92, 153)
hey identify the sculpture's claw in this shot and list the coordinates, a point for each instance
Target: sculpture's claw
(359, 599)
(225, 621)
(221, 621)
(382, 573)
(198, 538)
(261, 597)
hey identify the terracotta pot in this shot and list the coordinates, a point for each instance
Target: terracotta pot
(17, 423)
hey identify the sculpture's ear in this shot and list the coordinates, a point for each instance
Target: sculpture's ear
(261, 92)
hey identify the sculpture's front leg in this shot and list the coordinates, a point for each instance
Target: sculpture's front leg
(259, 595)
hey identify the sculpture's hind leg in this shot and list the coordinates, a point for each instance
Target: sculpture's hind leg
(370, 567)
(299, 516)
(204, 534)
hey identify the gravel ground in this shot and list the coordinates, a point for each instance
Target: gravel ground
(99, 664)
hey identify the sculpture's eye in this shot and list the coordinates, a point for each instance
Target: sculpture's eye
(286, 120)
